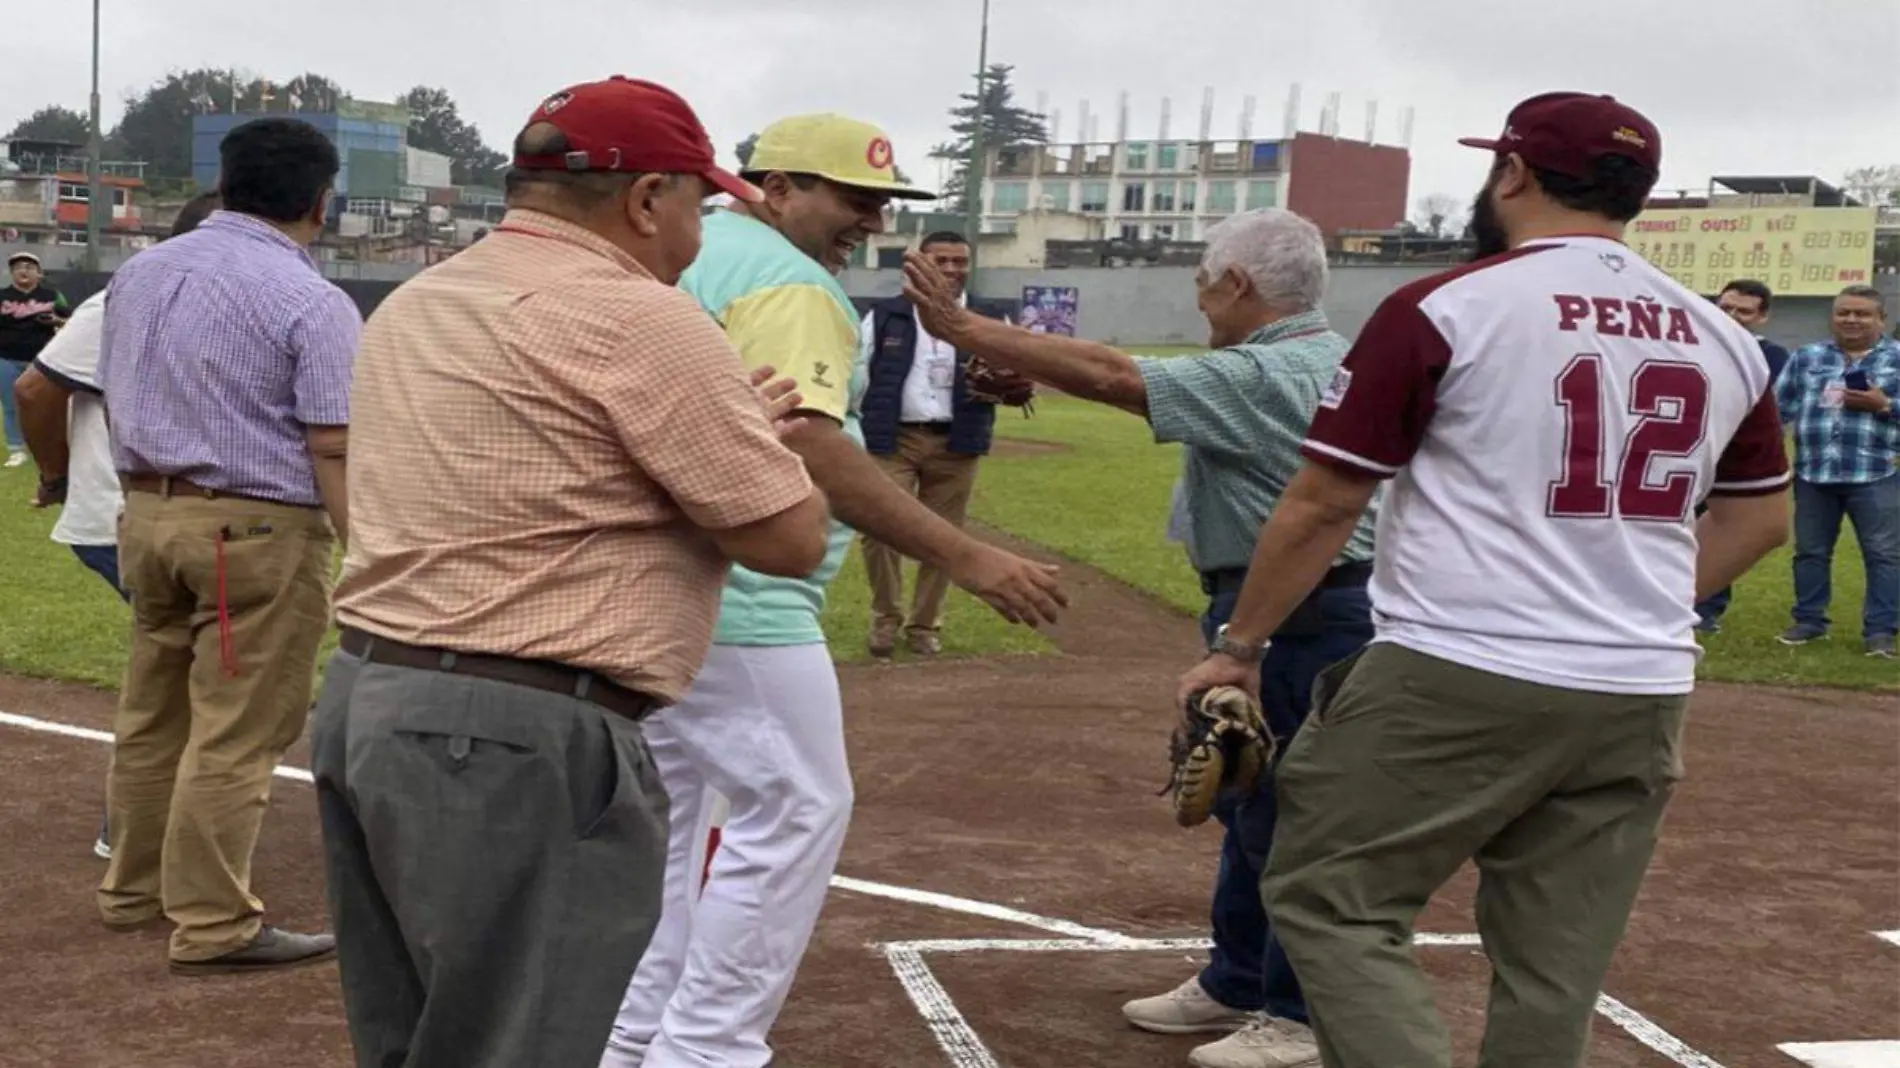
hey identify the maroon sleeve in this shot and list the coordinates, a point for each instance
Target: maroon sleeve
(1756, 460)
(1374, 415)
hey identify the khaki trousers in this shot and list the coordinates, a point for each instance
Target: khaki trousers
(942, 480)
(196, 744)
(1410, 765)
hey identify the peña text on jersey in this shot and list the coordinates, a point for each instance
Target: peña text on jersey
(1642, 318)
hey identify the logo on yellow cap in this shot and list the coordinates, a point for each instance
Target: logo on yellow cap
(879, 153)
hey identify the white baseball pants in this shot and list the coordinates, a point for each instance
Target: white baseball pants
(764, 727)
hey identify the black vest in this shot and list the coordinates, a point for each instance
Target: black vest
(893, 347)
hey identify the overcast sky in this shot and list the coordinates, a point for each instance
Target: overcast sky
(1738, 87)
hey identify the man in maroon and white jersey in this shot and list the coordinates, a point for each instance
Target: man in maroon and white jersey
(1550, 416)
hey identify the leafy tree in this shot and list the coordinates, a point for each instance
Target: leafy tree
(437, 126)
(1005, 124)
(156, 127)
(1874, 184)
(1439, 215)
(54, 123)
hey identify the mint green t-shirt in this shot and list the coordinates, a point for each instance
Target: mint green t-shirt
(780, 308)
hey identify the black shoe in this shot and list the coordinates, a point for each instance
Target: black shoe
(271, 949)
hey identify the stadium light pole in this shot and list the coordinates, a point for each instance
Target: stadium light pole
(95, 148)
(973, 178)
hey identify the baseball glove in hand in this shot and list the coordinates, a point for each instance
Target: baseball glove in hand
(1224, 748)
(993, 385)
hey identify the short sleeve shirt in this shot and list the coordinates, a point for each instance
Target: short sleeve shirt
(90, 515)
(542, 434)
(1550, 419)
(1242, 412)
(781, 308)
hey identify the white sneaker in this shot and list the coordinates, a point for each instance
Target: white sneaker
(16, 458)
(1187, 1009)
(1266, 1042)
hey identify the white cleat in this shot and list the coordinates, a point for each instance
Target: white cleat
(1185, 1010)
(1266, 1042)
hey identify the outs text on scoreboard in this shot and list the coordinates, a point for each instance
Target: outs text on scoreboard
(1798, 252)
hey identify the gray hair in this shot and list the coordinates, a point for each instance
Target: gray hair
(1283, 254)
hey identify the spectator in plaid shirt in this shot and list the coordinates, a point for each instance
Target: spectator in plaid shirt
(1842, 398)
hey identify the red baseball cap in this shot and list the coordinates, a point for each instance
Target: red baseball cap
(1566, 132)
(624, 124)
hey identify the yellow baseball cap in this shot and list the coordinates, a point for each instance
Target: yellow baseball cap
(835, 148)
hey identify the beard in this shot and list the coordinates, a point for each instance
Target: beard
(1487, 230)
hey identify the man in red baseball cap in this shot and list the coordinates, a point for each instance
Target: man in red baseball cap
(1549, 418)
(1565, 151)
(635, 144)
(595, 461)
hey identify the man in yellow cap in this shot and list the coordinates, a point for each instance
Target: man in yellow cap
(762, 725)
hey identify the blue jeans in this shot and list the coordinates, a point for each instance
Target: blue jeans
(1874, 508)
(1716, 604)
(10, 373)
(1247, 969)
(104, 562)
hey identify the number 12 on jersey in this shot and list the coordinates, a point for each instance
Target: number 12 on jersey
(1669, 402)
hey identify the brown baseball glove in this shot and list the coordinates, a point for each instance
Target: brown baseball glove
(1224, 748)
(993, 385)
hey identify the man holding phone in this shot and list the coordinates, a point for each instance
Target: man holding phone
(1842, 397)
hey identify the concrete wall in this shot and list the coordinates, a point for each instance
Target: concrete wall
(1155, 305)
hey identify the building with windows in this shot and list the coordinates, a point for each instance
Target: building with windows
(393, 202)
(1174, 190)
(44, 194)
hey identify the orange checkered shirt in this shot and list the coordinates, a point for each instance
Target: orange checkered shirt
(541, 432)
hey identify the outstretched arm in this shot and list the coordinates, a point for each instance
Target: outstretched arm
(1083, 369)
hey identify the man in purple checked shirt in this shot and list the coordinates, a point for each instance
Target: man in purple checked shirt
(225, 365)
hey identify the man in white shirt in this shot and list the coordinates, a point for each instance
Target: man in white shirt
(1549, 417)
(63, 417)
(927, 429)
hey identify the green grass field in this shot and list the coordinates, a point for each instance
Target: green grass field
(1100, 499)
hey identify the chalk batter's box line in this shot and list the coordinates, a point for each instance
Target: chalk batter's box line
(965, 1049)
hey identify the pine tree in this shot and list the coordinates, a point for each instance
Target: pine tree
(1005, 125)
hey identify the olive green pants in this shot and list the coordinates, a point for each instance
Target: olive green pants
(1408, 766)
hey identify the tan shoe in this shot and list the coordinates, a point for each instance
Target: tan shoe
(1185, 1010)
(1265, 1043)
(925, 642)
(883, 639)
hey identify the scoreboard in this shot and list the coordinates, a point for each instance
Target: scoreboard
(1798, 252)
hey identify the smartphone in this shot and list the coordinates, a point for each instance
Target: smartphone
(1856, 380)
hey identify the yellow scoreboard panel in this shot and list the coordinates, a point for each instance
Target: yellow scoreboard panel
(1798, 252)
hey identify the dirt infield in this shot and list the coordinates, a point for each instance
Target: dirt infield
(1023, 789)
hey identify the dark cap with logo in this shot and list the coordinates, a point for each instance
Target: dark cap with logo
(1567, 132)
(624, 124)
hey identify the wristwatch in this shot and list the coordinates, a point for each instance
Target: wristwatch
(1240, 651)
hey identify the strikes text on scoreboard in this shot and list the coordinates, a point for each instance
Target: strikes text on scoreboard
(1796, 251)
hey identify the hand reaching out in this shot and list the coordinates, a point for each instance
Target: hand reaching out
(939, 309)
(780, 397)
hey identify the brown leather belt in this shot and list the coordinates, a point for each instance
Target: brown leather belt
(173, 486)
(538, 674)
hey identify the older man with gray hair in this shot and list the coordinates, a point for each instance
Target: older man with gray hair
(1241, 410)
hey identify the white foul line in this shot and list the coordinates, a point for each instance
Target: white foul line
(1124, 945)
(1643, 1030)
(1888, 936)
(1875, 1054)
(926, 898)
(953, 1033)
(935, 900)
(67, 730)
